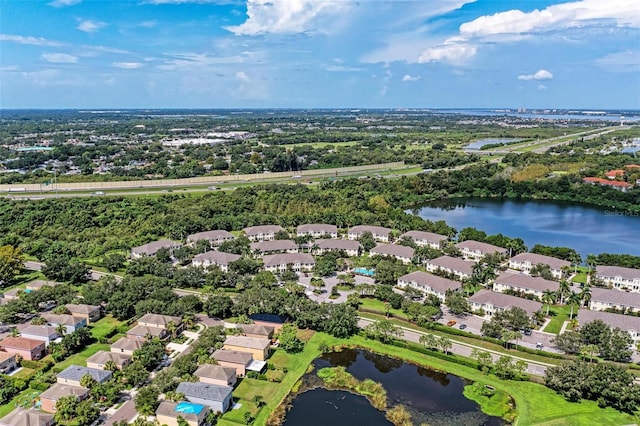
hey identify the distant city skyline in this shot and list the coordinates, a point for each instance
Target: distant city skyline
(533, 54)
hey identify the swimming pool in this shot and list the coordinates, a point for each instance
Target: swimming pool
(365, 271)
(189, 408)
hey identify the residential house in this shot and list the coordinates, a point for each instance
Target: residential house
(262, 232)
(452, 265)
(628, 323)
(525, 261)
(216, 258)
(50, 397)
(28, 349)
(142, 332)
(317, 230)
(45, 333)
(298, 262)
(74, 373)
(492, 302)
(36, 285)
(615, 174)
(619, 277)
(256, 331)
(126, 346)
(476, 250)
(274, 246)
(215, 238)
(27, 417)
(234, 359)
(603, 299)
(152, 248)
(101, 358)
(161, 321)
(426, 239)
(69, 322)
(269, 320)
(524, 283)
(620, 186)
(429, 283)
(217, 398)
(216, 375)
(379, 233)
(8, 362)
(402, 253)
(168, 413)
(91, 313)
(350, 247)
(259, 348)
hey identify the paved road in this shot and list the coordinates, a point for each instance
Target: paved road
(465, 349)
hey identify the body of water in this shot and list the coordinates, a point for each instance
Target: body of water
(588, 230)
(482, 142)
(432, 397)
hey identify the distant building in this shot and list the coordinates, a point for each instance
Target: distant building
(379, 233)
(620, 186)
(628, 323)
(298, 262)
(525, 261)
(476, 250)
(452, 265)
(524, 283)
(39, 284)
(429, 283)
(152, 248)
(262, 232)
(317, 230)
(215, 238)
(492, 302)
(350, 247)
(402, 253)
(619, 277)
(425, 239)
(216, 258)
(274, 246)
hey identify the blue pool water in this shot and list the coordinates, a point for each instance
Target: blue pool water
(364, 271)
(189, 408)
(27, 290)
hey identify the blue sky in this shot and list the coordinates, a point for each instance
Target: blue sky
(316, 53)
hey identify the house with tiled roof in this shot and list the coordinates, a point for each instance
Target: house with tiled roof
(628, 323)
(262, 232)
(215, 238)
(8, 362)
(452, 265)
(620, 300)
(492, 302)
(216, 375)
(525, 261)
(159, 321)
(280, 262)
(73, 374)
(241, 361)
(170, 413)
(317, 230)
(69, 322)
(216, 258)
(28, 349)
(152, 248)
(379, 233)
(45, 333)
(257, 347)
(619, 277)
(429, 283)
(524, 283)
(126, 346)
(620, 186)
(425, 239)
(403, 253)
(476, 250)
(102, 358)
(36, 285)
(349, 247)
(50, 397)
(274, 246)
(91, 313)
(27, 417)
(217, 398)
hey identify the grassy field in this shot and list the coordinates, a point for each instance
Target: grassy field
(561, 315)
(580, 278)
(104, 326)
(81, 357)
(379, 306)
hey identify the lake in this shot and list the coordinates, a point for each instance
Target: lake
(431, 397)
(588, 230)
(482, 142)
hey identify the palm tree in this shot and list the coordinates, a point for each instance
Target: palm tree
(445, 344)
(61, 330)
(563, 290)
(548, 297)
(172, 327)
(110, 365)
(573, 299)
(585, 295)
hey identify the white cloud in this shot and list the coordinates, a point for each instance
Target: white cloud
(626, 61)
(342, 68)
(64, 3)
(59, 58)
(9, 68)
(289, 16)
(89, 26)
(191, 1)
(148, 24)
(559, 16)
(408, 77)
(127, 65)
(542, 87)
(538, 75)
(242, 76)
(35, 41)
(450, 53)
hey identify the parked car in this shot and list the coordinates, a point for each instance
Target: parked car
(462, 326)
(527, 332)
(451, 323)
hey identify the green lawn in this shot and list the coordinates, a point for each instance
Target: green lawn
(379, 306)
(561, 315)
(11, 405)
(81, 357)
(104, 326)
(580, 278)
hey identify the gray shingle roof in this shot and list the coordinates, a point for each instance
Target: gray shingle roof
(617, 271)
(261, 330)
(262, 229)
(623, 322)
(424, 279)
(153, 247)
(235, 357)
(288, 258)
(217, 257)
(59, 390)
(39, 330)
(102, 357)
(527, 282)
(483, 248)
(274, 245)
(62, 319)
(616, 297)
(218, 234)
(127, 344)
(82, 308)
(505, 301)
(329, 244)
(22, 417)
(248, 342)
(217, 372)
(168, 409)
(375, 230)
(76, 372)
(159, 320)
(317, 228)
(393, 250)
(536, 259)
(453, 263)
(204, 391)
(424, 236)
